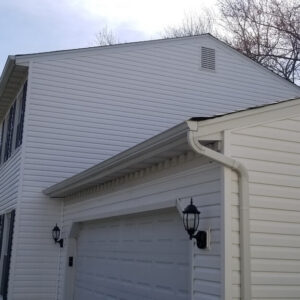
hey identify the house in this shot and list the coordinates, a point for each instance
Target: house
(122, 217)
(68, 116)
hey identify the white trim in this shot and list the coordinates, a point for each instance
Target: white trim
(192, 268)
(20, 189)
(22, 59)
(171, 138)
(226, 224)
(155, 146)
(248, 117)
(130, 210)
(76, 226)
(243, 207)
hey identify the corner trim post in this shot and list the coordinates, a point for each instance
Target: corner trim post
(243, 204)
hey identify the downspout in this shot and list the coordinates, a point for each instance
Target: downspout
(243, 205)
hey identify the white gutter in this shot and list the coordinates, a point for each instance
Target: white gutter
(243, 204)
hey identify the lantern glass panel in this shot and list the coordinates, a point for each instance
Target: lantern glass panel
(191, 219)
(56, 233)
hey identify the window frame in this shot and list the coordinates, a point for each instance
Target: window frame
(15, 137)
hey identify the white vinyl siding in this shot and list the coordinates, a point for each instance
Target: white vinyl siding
(9, 182)
(271, 153)
(87, 106)
(194, 178)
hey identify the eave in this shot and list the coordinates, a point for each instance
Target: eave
(170, 143)
(11, 79)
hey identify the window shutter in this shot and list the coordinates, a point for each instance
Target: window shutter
(1, 232)
(19, 135)
(1, 141)
(6, 258)
(9, 133)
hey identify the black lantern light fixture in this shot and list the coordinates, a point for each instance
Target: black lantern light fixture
(191, 216)
(56, 236)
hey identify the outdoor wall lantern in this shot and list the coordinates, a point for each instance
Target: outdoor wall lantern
(56, 236)
(191, 217)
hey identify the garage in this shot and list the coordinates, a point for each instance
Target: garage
(139, 256)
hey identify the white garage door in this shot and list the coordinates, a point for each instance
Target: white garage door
(144, 256)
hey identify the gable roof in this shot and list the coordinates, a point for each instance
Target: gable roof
(169, 143)
(16, 66)
(21, 57)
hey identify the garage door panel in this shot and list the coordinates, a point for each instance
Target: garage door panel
(142, 256)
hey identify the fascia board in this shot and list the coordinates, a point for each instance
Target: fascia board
(246, 118)
(65, 53)
(137, 154)
(169, 140)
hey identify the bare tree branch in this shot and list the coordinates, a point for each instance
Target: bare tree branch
(192, 24)
(106, 37)
(268, 31)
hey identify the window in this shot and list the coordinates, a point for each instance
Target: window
(12, 126)
(1, 140)
(1, 232)
(19, 135)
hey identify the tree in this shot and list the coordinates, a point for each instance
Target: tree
(106, 37)
(267, 31)
(192, 24)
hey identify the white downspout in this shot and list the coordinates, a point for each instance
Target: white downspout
(243, 204)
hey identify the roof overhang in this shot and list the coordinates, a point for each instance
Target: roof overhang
(12, 77)
(157, 149)
(168, 144)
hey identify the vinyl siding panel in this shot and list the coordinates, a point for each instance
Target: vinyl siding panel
(10, 173)
(193, 177)
(9, 181)
(271, 152)
(85, 107)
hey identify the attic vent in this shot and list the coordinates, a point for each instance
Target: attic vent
(208, 58)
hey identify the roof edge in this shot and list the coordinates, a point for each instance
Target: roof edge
(147, 149)
(7, 70)
(257, 64)
(105, 47)
(164, 141)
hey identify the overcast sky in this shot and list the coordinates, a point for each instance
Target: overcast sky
(29, 26)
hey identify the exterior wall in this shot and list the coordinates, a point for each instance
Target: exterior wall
(271, 152)
(85, 107)
(188, 177)
(140, 90)
(33, 249)
(9, 187)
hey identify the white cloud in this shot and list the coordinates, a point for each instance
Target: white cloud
(147, 16)
(46, 25)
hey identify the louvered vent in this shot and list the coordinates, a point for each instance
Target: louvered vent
(208, 58)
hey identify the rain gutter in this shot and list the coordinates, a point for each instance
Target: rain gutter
(243, 205)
